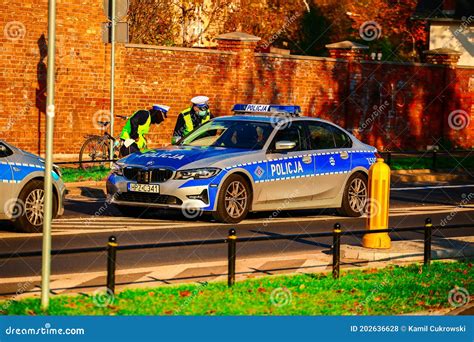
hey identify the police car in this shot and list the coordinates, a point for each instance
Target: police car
(263, 158)
(22, 189)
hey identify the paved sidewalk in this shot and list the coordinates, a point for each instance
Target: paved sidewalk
(319, 262)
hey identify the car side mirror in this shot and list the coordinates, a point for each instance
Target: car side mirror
(284, 145)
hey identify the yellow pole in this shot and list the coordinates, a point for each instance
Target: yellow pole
(379, 195)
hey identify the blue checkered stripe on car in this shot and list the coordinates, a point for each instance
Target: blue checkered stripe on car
(27, 169)
(320, 165)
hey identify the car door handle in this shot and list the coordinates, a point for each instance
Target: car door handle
(344, 155)
(16, 169)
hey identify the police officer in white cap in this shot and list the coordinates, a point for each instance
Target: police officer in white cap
(137, 127)
(192, 117)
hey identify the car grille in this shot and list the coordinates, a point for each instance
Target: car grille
(148, 198)
(147, 176)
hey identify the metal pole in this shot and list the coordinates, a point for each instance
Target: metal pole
(336, 251)
(232, 242)
(111, 264)
(112, 76)
(48, 183)
(427, 249)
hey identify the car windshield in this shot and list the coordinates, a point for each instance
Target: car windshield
(247, 135)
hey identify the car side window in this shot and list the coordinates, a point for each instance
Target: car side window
(321, 136)
(5, 151)
(341, 139)
(295, 132)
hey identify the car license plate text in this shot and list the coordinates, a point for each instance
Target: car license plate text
(150, 188)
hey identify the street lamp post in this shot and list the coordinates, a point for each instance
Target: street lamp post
(112, 76)
(48, 183)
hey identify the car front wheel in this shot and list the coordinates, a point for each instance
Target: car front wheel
(233, 202)
(355, 196)
(28, 211)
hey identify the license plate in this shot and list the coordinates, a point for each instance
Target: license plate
(149, 188)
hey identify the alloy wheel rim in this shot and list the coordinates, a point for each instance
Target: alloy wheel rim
(236, 199)
(34, 206)
(357, 195)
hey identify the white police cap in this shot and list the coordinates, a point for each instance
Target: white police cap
(163, 108)
(200, 100)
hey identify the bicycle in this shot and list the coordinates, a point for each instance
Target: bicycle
(97, 147)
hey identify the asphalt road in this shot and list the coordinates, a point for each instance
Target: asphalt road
(82, 227)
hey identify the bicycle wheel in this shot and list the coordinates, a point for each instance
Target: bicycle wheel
(93, 149)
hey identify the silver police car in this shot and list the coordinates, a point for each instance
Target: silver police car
(263, 158)
(22, 189)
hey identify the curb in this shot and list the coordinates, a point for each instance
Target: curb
(410, 251)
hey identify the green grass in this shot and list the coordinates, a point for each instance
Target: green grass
(442, 163)
(392, 290)
(77, 175)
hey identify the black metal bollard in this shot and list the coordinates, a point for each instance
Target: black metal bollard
(232, 246)
(434, 166)
(427, 249)
(336, 250)
(111, 261)
(389, 158)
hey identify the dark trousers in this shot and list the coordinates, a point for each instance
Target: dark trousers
(125, 151)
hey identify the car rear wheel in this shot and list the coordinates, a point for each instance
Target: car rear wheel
(234, 200)
(28, 213)
(355, 196)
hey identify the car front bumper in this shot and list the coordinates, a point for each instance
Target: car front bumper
(173, 194)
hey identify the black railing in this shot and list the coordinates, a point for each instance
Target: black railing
(232, 240)
(389, 156)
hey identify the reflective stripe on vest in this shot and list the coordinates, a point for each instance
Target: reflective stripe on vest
(141, 131)
(188, 120)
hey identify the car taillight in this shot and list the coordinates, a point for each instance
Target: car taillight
(378, 155)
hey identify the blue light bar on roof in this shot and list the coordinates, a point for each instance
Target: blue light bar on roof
(262, 108)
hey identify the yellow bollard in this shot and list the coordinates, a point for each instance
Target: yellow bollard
(378, 205)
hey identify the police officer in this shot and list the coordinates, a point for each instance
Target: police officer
(138, 125)
(192, 117)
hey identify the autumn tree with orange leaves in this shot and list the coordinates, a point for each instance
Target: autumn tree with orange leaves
(304, 26)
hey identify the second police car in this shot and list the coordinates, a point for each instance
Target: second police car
(263, 158)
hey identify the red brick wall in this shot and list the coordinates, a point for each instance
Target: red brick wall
(396, 105)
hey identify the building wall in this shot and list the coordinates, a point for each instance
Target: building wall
(393, 106)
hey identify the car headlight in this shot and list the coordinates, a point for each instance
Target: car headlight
(117, 169)
(57, 170)
(197, 173)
